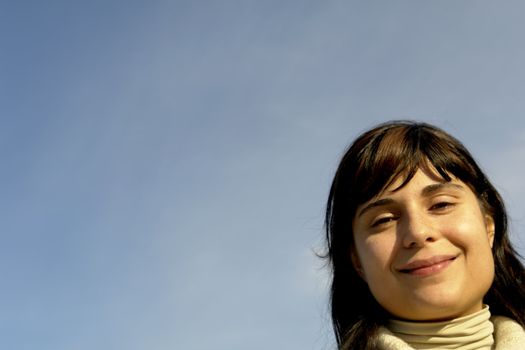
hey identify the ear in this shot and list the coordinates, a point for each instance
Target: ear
(357, 264)
(491, 228)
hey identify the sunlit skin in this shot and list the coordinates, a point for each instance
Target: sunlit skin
(425, 249)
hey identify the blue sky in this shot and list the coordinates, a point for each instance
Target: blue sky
(166, 163)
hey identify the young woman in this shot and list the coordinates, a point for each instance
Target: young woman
(418, 245)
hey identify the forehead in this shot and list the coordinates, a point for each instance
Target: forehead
(421, 185)
(423, 182)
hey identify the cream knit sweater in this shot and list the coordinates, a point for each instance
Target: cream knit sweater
(479, 331)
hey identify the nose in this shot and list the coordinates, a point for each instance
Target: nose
(416, 231)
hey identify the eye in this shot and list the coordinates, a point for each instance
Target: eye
(383, 221)
(441, 205)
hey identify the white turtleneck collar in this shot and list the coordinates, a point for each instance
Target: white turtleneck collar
(474, 331)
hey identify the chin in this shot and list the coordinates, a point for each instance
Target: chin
(435, 310)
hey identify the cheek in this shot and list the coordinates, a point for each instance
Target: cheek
(374, 255)
(469, 233)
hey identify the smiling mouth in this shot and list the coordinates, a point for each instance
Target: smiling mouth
(427, 267)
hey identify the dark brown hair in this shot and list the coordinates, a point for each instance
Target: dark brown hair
(376, 159)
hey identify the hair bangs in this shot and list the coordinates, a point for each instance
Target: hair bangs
(390, 155)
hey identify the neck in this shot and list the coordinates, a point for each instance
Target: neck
(469, 332)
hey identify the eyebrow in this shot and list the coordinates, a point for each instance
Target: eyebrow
(374, 204)
(430, 189)
(425, 192)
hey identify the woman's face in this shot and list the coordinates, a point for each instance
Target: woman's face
(425, 249)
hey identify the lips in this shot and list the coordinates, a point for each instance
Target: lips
(430, 266)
